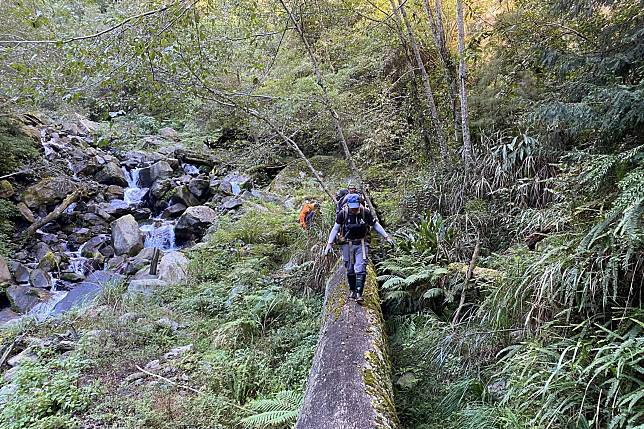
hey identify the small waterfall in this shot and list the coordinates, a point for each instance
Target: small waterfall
(160, 234)
(45, 144)
(79, 264)
(133, 194)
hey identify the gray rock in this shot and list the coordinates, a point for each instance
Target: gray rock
(234, 183)
(84, 293)
(199, 187)
(146, 254)
(72, 277)
(5, 274)
(42, 247)
(115, 208)
(48, 263)
(169, 133)
(10, 388)
(178, 352)
(290, 203)
(231, 203)
(49, 191)
(141, 213)
(88, 127)
(40, 279)
(185, 197)
(268, 197)
(111, 174)
(113, 192)
(497, 389)
(145, 287)
(93, 246)
(20, 272)
(173, 211)
(116, 263)
(194, 222)
(173, 267)
(126, 236)
(24, 356)
(170, 324)
(128, 318)
(157, 171)
(159, 188)
(7, 315)
(24, 298)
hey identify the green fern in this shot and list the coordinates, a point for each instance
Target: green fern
(277, 412)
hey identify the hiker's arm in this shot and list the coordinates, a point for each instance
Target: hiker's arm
(333, 233)
(382, 231)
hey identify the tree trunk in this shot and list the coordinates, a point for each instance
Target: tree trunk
(412, 72)
(326, 100)
(350, 381)
(319, 79)
(429, 95)
(467, 145)
(438, 33)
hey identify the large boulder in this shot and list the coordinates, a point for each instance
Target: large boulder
(194, 222)
(51, 190)
(200, 187)
(145, 287)
(159, 189)
(234, 184)
(50, 262)
(111, 174)
(169, 133)
(126, 236)
(157, 171)
(185, 197)
(24, 298)
(5, 274)
(20, 272)
(173, 267)
(93, 246)
(6, 189)
(175, 210)
(40, 279)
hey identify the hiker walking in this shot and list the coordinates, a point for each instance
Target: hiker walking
(309, 210)
(352, 226)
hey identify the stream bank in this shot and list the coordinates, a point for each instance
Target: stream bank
(105, 216)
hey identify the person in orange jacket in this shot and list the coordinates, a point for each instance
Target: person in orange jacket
(308, 212)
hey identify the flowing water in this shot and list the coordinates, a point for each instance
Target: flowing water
(160, 233)
(133, 194)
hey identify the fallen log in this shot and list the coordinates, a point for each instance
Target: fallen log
(349, 386)
(55, 214)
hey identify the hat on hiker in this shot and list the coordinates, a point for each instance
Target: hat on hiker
(352, 185)
(353, 201)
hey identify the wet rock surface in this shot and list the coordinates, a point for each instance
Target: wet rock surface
(127, 204)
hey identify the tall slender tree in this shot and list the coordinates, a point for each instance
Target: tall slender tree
(438, 33)
(467, 145)
(411, 70)
(429, 95)
(326, 100)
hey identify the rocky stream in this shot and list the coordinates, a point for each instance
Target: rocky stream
(103, 216)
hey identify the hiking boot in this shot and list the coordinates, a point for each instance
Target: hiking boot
(359, 298)
(353, 295)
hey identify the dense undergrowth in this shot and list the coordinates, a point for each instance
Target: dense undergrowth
(548, 331)
(252, 329)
